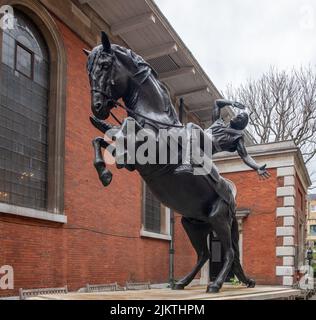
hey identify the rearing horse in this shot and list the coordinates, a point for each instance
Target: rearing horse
(118, 73)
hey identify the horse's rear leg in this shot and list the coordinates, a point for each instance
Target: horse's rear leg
(104, 175)
(197, 232)
(221, 224)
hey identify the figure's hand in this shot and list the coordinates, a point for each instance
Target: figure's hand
(238, 105)
(263, 173)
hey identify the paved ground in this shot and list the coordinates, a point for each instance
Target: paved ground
(194, 293)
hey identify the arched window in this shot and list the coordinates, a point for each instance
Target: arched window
(24, 94)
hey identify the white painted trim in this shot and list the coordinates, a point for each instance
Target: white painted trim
(154, 235)
(133, 24)
(263, 150)
(193, 91)
(32, 213)
(168, 224)
(235, 164)
(169, 75)
(205, 271)
(159, 51)
(205, 274)
(241, 247)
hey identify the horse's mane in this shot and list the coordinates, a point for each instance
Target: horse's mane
(136, 59)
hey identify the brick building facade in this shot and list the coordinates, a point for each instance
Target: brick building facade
(273, 231)
(91, 235)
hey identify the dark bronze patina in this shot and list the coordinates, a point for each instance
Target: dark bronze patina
(206, 202)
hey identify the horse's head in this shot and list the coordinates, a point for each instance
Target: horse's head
(110, 68)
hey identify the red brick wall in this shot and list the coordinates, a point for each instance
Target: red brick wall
(259, 229)
(101, 242)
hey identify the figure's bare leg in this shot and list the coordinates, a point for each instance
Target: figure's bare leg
(197, 233)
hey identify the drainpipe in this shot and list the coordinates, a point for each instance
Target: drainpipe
(171, 250)
(172, 220)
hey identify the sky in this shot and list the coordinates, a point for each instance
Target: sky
(237, 40)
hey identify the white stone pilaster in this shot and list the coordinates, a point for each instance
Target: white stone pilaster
(287, 229)
(285, 271)
(285, 251)
(288, 281)
(288, 241)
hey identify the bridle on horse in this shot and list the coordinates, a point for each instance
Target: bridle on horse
(107, 93)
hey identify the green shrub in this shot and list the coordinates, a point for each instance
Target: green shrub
(235, 282)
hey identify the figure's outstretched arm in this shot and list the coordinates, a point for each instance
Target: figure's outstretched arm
(250, 162)
(221, 103)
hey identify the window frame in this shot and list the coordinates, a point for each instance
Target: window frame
(165, 233)
(19, 44)
(57, 102)
(312, 233)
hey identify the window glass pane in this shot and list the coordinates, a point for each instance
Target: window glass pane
(23, 116)
(24, 62)
(313, 230)
(152, 218)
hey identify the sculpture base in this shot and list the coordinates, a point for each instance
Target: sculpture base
(228, 292)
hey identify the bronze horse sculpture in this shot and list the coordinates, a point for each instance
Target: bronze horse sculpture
(118, 73)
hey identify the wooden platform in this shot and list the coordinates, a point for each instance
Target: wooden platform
(194, 293)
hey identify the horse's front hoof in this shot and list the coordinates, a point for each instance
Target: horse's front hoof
(213, 289)
(106, 178)
(178, 286)
(251, 283)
